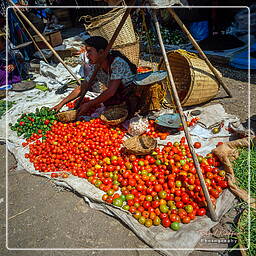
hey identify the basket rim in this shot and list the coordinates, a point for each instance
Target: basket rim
(103, 118)
(192, 74)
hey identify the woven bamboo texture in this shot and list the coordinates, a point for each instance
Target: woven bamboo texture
(131, 51)
(106, 24)
(151, 96)
(114, 115)
(67, 116)
(194, 80)
(140, 145)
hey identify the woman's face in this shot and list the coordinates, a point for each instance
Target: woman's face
(93, 55)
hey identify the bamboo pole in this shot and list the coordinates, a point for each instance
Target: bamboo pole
(201, 53)
(31, 37)
(45, 41)
(184, 123)
(110, 44)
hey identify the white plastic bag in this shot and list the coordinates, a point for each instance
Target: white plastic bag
(137, 126)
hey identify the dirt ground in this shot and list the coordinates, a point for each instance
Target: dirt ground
(42, 215)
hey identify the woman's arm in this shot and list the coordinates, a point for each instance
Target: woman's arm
(110, 92)
(73, 95)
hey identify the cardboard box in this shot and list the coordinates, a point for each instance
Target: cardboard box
(53, 38)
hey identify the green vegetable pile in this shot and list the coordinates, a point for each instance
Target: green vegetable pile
(3, 106)
(38, 122)
(241, 169)
(170, 37)
(243, 232)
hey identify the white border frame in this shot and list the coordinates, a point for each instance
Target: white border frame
(131, 249)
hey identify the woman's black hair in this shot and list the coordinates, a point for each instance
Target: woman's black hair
(100, 43)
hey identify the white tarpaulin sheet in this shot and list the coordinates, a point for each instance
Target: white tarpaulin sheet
(156, 237)
(54, 77)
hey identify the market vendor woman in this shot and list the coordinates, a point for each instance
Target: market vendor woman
(116, 73)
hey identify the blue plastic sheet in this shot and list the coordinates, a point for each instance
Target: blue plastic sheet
(241, 60)
(199, 29)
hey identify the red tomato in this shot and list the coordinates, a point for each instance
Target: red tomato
(197, 145)
(166, 222)
(54, 175)
(201, 212)
(158, 188)
(214, 193)
(155, 204)
(223, 184)
(192, 215)
(186, 220)
(174, 218)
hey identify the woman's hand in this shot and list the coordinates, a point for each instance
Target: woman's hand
(57, 107)
(84, 107)
(10, 68)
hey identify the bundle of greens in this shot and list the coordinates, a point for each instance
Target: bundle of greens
(246, 231)
(241, 169)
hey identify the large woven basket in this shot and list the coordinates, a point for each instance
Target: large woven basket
(114, 115)
(105, 25)
(194, 81)
(67, 116)
(131, 51)
(140, 145)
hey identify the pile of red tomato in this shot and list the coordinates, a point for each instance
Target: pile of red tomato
(75, 147)
(154, 129)
(161, 188)
(154, 132)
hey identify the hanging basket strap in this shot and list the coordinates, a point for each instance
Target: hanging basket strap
(87, 19)
(111, 15)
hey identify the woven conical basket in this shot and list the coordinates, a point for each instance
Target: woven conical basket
(105, 25)
(131, 51)
(194, 81)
